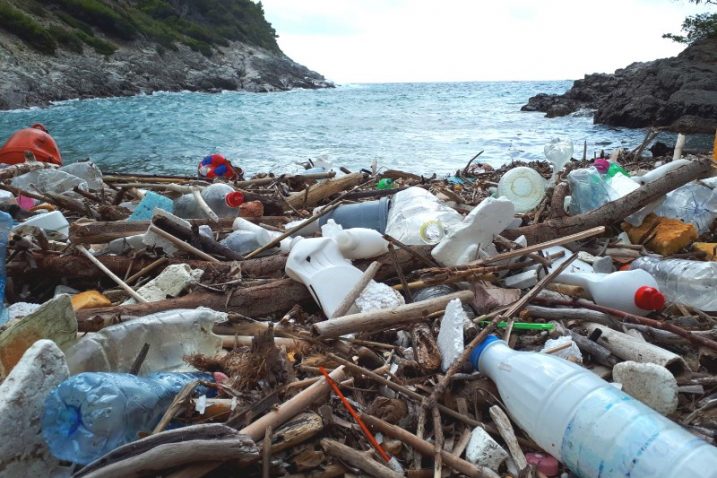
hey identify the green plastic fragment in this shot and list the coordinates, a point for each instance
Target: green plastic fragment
(522, 325)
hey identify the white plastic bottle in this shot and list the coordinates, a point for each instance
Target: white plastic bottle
(416, 217)
(688, 282)
(361, 243)
(635, 292)
(588, 424)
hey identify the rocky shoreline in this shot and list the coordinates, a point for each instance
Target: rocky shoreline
(679, 94)
(33, 79)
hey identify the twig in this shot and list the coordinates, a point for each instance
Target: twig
(266, 454)
(401, 275)
(179, 401)
(139, 360)
(181, 244)
(196, 192)
(355, 292)
(111, 274)
(465, 170)
(506, 432)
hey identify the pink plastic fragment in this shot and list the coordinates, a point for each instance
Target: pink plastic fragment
(546, 464)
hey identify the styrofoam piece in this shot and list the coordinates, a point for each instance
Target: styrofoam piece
(483, 450)
(576, 266)
(475, 233)
(171, 336)
(53, 223)
(169, 283)
(521, 280)
(603, 265)
(378, 296)
(23, 451)
(652, 384)
(450, 335)
(319, 264)
(571, 353)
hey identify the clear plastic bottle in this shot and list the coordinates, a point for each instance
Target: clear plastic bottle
(586, 423)
(221, 198)
(558, 151)
(688, 282)
(5, 227)
(695, 202)
(93, 413)
(49, 181)
(416, 217)
(588, 190)
(88, 171)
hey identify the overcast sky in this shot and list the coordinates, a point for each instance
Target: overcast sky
(357, 41)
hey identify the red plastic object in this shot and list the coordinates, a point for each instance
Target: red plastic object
(649, 298)
(34, 139)
(546, 464)
(234, 199)
(251, 209)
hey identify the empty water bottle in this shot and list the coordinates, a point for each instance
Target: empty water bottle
(91, 414)
(416, 217)
(695, 202)
(591, 426)
(221, 198)
(5, 227)
(684, 281)
(559, 151)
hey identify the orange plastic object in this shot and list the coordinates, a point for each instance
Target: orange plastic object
(35, 139)
(251, 209)
(89, 300)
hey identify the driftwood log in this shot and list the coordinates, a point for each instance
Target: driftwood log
(615, 211)
(318, 192)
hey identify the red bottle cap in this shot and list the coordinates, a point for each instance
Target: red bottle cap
(649, 298)
(234, 199)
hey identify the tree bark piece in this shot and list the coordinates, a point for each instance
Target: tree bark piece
(22, 168)
(614, 211)
(427, 449)
(358, 459)
(303, 427)
(321, 191)
(386, 319)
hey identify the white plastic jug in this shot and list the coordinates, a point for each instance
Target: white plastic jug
(475, 233)
(586, 423)
(635, 291)
(319, 264)
(53, 223)
(356, 242)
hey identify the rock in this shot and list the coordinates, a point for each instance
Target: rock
(22, 449)
(483, 450)
(55, 320)
(679, 93)
(652, 384)
(450, 335)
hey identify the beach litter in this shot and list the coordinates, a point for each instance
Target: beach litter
(354, 323)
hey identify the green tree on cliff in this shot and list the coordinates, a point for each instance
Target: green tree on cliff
(697, 27)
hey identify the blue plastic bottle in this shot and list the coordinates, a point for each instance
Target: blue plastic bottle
(92, 413)
(5, 227)
(588, 424)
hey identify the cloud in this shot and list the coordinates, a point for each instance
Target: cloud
(465, 40)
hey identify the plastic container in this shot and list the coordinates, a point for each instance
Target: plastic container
(221, 198)
(588, 424)
(588, 190)
(247, 236)
(5, 227)
(660, 171)
(87, 171)
(695, 203)
(687, 282)
(171, 336)
(91, 414)
(385, 183)
(49, 181)
(615, 169)
(53, 223)
(150, 202)
(466, 240)
(35, 139)
(367, 214)
(635, 291)
(319, 264)
(558, 151)
(416, 217)
(357, 242)
(524, 187)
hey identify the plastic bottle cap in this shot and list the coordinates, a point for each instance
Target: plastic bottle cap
(649, 298)
(475, 354)
(524, 186)
(234, 199)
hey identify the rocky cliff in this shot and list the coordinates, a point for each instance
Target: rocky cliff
(56, 51)
(678, 93)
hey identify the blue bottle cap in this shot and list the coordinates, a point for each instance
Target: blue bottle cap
(475, 354)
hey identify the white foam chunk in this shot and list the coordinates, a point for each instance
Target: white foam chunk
(650, 383)
(22, 450)
(450, 336)
(378, 296)
(483, 450)
(571, 352)
(170, 283)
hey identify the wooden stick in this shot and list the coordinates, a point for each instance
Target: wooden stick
(178, 402)
(266, 454)
(22, 168)
(147, 269)
(375, 321)
(181, 244)
(353, 294)
(313, 195)
(426, 448)
(111, 275)
(196, 192)
(292, 231)
(358, 459)
(502, 421)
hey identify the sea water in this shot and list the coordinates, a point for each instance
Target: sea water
(418, 127)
